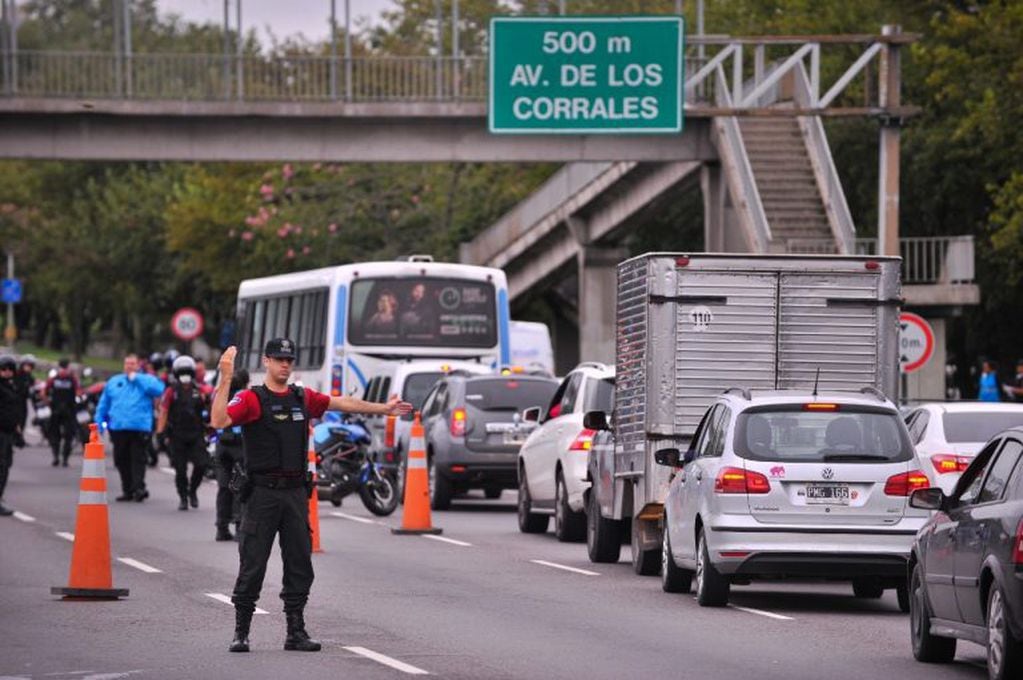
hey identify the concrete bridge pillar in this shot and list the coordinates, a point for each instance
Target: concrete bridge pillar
(598, 284)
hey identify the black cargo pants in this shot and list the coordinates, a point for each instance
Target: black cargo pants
(267, 513)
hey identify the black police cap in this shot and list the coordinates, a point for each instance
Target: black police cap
(280, 348)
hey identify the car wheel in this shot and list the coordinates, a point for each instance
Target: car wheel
(1004, 651)
(441, 489)
(902, 595)
(603, 535)
(926, 647)
(529, 522)
(569, 526)
(867, 588)
(673, 578)
(644, 562)
(492, 492)
(712, 589)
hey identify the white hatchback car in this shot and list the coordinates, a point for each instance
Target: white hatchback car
(947, 435)
(786, 483)
(552, 461)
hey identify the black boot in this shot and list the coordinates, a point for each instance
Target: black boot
(224, 534)
(298, 640)
(240, 643)
(193, 498)
(183, 505)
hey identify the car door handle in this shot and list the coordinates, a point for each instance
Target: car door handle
(699, 475)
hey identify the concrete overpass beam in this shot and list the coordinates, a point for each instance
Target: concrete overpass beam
(714, 190)
(598, 282)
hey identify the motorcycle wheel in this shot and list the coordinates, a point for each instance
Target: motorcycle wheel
(380, 495)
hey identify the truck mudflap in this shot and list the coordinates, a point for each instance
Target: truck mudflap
(647, 526)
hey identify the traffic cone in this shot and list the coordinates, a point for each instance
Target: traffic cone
(415, 518)
(90, 557)
(314, 501)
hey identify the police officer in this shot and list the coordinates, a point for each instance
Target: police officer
(10, 427)
(182, 420)
(275, 419)
(60, 392)
(229, 459)
(24, 381)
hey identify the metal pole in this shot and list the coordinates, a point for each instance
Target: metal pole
(118, 64)
(701, 50)
(678, 7)
(455, 73)
(333, 50)
(227, 50)
(239, 69)
(890, 85)
(11, 332)
(4, 52)
(561, 7)
(439, 84)
(348, 50)
(126, 8)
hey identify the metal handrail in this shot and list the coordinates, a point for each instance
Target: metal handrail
(948, 260)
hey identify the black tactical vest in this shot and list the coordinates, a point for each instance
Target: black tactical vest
(277, 441)
(62, 393)
(185, 415)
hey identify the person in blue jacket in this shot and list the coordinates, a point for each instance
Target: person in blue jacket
(126, 410)
(990, 385)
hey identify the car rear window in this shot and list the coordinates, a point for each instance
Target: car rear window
(601, 397)
(417, 386)
(848, 434)
(977, 426)
(509, 393)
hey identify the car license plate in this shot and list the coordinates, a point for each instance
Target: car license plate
(827, 494)
(514, 437)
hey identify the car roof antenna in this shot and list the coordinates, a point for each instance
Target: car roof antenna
(816, 381)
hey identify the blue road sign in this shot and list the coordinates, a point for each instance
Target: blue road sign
(10, 291)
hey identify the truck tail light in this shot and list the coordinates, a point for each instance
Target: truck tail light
(583, 442)
(948, 462)
(1017, 546)
(458, 422)
(737, 480)
(906, 483)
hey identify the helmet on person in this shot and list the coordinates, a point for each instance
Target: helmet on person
(184, 365)
(87, 372)
(156, 360)
(28, 360)
(7, 362)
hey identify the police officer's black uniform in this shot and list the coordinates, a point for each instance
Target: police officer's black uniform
(276, 501)
(230, 464)
(9, 423)
(187, 429)
(23, 383)
(62, 390)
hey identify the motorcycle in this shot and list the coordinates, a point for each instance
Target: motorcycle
(344, 465)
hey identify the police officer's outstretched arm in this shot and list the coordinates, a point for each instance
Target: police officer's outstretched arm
(218, 410)
(393, 407)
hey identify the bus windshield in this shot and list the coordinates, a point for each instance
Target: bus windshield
(422, 311)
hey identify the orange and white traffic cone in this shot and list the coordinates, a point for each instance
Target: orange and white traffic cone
(314, 503)
(91, 577)
(415, 518)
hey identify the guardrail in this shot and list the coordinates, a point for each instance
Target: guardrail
(925, 259)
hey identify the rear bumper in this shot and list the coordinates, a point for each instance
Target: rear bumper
(467, 468)
(830, 552)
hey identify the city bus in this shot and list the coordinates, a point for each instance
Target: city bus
(351, 321)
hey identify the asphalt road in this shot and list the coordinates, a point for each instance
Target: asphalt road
(484, 602)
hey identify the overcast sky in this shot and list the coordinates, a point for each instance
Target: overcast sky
(284, 17)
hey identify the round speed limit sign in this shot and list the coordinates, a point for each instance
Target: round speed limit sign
(187, 323)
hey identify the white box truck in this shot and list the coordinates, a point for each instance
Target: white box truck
(690, 326)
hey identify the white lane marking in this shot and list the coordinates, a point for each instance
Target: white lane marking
(167, 470)
(66, 535)
(447, 540)
(387, 661)
(761, 612)
(354, 518)
(23, 517)
(584, 572)
(220, 597)
(141, 566)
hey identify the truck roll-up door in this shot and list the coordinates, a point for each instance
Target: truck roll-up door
(725, 336)
(828, 321)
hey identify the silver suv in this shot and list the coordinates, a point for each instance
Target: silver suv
(792, 484)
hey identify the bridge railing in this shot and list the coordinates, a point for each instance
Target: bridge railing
(925, 259)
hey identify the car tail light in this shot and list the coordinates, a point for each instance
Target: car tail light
(819, 406)
(737, 480)
(1017, 546)
(947, 462)
(906, 483)
(458, 422)
(583, 442)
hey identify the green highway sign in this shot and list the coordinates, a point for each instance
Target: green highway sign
(581, 75)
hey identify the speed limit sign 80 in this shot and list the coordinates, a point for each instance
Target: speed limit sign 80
(187, 324)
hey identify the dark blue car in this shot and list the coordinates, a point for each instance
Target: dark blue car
(966, 568)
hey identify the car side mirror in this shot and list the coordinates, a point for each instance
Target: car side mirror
(928, 499)
(596, 420)
(531, 414)
(669, 457)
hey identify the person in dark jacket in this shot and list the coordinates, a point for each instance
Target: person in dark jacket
(228, 459)
(60, 393)
(126, 409)
(10, 426)
(182, 420)
(274, 418)
(24, 381)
